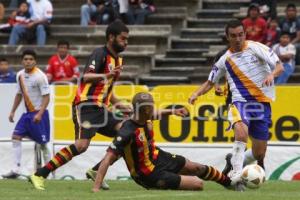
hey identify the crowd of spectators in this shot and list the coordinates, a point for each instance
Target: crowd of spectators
(281, 34)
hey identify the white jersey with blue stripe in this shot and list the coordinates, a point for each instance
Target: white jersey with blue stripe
(245, 72)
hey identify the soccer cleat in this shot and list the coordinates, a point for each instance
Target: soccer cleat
(240, 187)
(11, 175)
(91, 174)
(37, 182)
(228, 166)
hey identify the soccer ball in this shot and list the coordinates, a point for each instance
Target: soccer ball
(254, 176)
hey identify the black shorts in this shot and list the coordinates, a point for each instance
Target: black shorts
(165, 174)
(91, 119)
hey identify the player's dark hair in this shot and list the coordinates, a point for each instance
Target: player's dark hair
(290, 5)
(29, 52)
(63, 42)
(233, 24)
(140, 99)
(3, 60)
(115, 28)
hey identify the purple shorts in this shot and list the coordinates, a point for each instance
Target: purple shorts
(38, 132)
(257, 116)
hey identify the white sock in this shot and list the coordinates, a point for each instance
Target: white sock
(46, 153)
(17, 154)
(249, 158)
(238, 155)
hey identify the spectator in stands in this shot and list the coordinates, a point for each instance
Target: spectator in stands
(286, 51)
(62, 67)
(41, 15)
(6, 75)
(138, 10)
(101, 9)
(291, 24)
(19, 16)
(105, 13)
(2, 12)
(255, 26)
(267, 8)
(123, 9)
(273, 33)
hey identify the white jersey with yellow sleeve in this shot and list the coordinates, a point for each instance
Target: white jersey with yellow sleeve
(245, 71)
(33, 86)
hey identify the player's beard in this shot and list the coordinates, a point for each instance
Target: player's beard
(117, 48)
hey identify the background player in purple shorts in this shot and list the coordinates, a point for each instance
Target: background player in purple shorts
(33, 87)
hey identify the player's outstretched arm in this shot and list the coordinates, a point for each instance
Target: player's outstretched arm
(108, 159)
(17, 101)
(123, 107)
(182, 112)
(203, 89)
(275, 73)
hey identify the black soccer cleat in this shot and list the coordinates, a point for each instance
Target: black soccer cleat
(228, 166)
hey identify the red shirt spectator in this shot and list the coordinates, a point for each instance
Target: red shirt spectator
(272, 33)
(62, 66)
(255, 26)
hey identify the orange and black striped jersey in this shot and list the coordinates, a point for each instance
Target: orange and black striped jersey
(136, 144)
(101, 61)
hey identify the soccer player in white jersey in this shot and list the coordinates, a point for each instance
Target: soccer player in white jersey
(33, 87)
(247, 66)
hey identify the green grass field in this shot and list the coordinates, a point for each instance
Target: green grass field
(77, 190)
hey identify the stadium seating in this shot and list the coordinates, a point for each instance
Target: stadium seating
(176, 45)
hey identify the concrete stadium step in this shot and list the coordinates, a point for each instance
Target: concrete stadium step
(129, 74)
(139, 35)
(213, 23)
(294, 78)
(80, 49)
(201, 32)
(198, 77)
(100, 29)
(216, 13)
(213, 51)
(137, 56)
(179, 71)
(181, 43)
(297, 69)
(222, 4)
(172, 71)
(152, 81)
(162, 13)
(185, 53)
(126, 68)
(176, 2)
(286, 2)
(179, 62)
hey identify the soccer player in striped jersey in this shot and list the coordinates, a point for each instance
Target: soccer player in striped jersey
(94, 93)
(33, 87)
(150, 166)
(247, 66)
